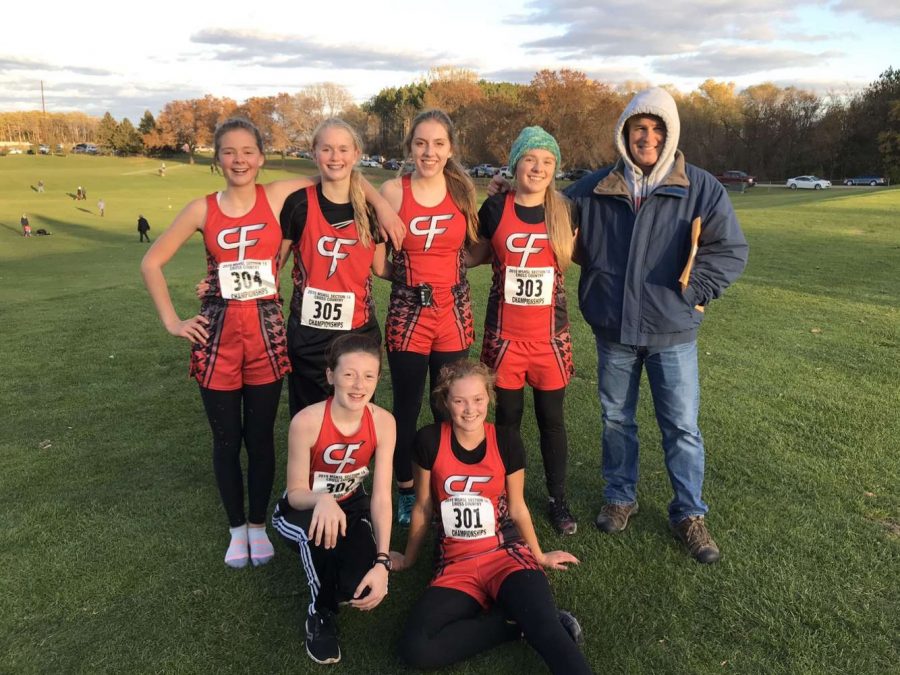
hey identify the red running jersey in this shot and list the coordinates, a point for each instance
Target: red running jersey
(470, 499)
(332, 272)
(242, 253)
(338, 463)
(527, 299)
(434, 248)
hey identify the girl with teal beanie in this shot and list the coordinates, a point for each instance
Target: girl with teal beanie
(529, 236)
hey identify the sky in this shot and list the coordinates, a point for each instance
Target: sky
(125, 58)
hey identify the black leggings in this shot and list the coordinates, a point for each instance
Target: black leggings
(223, 408)
(446, 625)
(548, 409)
(408, 371)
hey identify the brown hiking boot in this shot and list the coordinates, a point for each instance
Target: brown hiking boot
(693, 533)
(614, 517)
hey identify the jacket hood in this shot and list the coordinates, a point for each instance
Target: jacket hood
(659, 102)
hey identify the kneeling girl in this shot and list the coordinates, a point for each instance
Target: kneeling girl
(341, 534)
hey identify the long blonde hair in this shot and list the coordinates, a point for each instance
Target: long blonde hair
(558, 219)
(361, 214)
(460, 186)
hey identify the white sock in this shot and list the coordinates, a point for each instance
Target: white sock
(237, 554)
(261, 550)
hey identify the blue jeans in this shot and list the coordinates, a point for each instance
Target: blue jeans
(675, 386)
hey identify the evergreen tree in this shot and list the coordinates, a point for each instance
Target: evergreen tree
(147, 123)
(107, 130)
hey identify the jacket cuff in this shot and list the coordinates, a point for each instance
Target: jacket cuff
(690, 296)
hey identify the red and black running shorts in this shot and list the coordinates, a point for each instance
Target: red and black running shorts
(482, 575)
(247, 345)
(444, 326)
(545, 365)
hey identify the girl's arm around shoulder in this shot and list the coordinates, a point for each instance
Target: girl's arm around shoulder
(279, 190)
(518, 512)
(392, 191)
(389, 223)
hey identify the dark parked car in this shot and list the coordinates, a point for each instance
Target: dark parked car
(577, 174)
(736, 178)
(483, 171)
(866, 180)
(391, 165)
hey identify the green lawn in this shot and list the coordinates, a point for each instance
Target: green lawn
(114, 534)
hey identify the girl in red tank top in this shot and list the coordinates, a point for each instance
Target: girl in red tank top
(470, 480)
(239, 354)
(528, 235)
(429, 320)
(336, 248)
(325, 515)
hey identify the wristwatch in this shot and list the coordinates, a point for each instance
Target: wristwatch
(383, 559)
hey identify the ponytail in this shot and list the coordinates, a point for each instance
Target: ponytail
(558, 219)
(360, 209)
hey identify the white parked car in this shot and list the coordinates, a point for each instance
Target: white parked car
(505, 172)
(808, 182)
(370, 163)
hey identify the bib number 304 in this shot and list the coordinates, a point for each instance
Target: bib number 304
(246, 279)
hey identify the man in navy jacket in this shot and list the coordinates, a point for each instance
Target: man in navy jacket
(658, 240)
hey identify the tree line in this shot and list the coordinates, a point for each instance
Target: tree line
(770, 131)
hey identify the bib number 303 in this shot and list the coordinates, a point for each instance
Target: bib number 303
(528, 286)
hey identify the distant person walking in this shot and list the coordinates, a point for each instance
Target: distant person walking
(143, 227)
(162, 170)
(79, 194)
(101, 207)
(40, 186)
(26, 226)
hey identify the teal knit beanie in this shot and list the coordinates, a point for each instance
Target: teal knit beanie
(529, 139)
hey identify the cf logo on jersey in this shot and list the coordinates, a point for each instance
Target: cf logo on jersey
(528, 248)
(242, 242)
(349, 448)
(432, 228)
(335, 253)
(467, 484)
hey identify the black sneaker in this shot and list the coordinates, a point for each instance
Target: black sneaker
(562, 519)
(321, 638)
(573, 628)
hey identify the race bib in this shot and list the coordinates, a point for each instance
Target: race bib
(339, 485)
(246, 279)
(468, 516)
(327, 309)
(528, 286)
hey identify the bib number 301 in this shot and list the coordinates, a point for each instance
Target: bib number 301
(468, 516)
(246, 279)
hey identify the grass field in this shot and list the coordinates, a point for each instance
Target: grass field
(114, 533)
